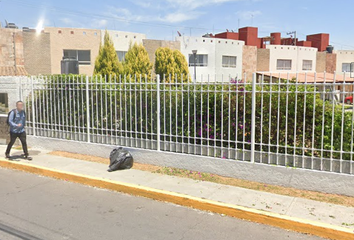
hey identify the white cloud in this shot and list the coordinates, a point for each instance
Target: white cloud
(169, 11)
(194, 4)
(175, 17)
(180, 17)
(247, 15)
(99, 23)
(68, 21)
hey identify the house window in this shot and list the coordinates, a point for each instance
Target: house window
(283, 64)
(307, 65)
(229, 61)
(4, 105)
(201, 60)
(121, 55)
(83, 56)
(347, 67)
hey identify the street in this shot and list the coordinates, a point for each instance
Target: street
(38, 208)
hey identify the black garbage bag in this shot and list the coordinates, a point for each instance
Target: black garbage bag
(120, 159)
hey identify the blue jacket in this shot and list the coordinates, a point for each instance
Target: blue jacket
(15, 120)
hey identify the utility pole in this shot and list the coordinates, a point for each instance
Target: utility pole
(291, 33)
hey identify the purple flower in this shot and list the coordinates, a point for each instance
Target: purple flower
(240, 126)
(200, 132)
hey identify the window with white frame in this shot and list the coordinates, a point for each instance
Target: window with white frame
(347, 67)
(307, 65)
(201, 60)
(284, 64)
(121, 55)
(83, 56)
(229, 61)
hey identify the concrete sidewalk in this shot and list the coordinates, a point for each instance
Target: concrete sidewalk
(322, 214)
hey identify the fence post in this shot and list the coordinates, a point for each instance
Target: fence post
(158, 114)
(33, 109)
(20, 89)
(88, 110)
(253, 116)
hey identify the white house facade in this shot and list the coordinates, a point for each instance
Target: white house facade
(216, 59)
(292, 58)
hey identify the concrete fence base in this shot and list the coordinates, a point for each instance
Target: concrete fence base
(312, 180)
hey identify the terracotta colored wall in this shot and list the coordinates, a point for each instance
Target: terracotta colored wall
(276, 38)
(304, 44)
(249, 63)
(288, 41)
(228, 35)
(249, 35)
(319, 41)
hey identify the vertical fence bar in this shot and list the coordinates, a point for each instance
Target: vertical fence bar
(87, 109)
(33, 110)
(158, 114)
(253, 116)
(332, 123)
(20, 89)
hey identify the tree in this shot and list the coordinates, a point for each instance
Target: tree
(107, 62)
(172, 64)
(137, 62)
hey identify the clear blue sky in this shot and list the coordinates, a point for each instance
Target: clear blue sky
(162, 19)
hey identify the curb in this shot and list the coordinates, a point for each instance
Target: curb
(258, 216)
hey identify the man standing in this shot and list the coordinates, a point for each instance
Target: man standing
(17, 122)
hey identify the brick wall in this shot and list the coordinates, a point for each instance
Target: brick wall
(73, 39)
(326, 62)
(249, 63)
(321, 62)
(37, 53)
(152, 45)
(11, 40)
(331, 62)
(263, 58)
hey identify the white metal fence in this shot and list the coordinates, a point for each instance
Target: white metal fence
(267, 120)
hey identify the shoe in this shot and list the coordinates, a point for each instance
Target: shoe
(28, 158)
(7, 156)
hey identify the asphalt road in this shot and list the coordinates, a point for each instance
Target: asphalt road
(38, 208)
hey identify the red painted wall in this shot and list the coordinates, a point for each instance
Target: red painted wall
(249, 35)
(319, 41)
(276, 38)
(227, 35)
(304, 44)
(288, 41)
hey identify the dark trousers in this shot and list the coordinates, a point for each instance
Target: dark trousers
(22, 137)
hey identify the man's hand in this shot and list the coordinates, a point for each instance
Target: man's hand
(19, 125)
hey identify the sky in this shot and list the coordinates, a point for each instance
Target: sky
(160, 19)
